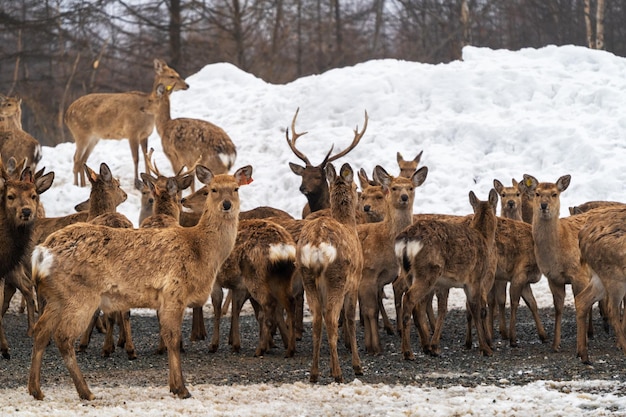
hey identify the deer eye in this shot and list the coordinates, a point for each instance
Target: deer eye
(554, 195)
(536, 194)
(237, 189)
(33, 197)
(10, 197)
(517, 195)
(214, 190)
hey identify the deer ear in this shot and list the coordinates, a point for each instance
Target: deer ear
(105, 172)
(244, 175)
(44, 182)
(346, 173)
(27, 175)
(159, 66)
(205, 176)
(530, 182)
(498, 185)
(419, 176)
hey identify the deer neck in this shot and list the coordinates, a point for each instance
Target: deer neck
(342, 208)
(513, 214)
(162, 115)
(319, 200)
(397, 219)
(100, 205)
(485, 223)
(546, 236)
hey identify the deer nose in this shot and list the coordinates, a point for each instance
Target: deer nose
(26, 212)
(226, 205)
(367, 208)
(511, 203)
(404, 198)
(544, 206)
(151, 200)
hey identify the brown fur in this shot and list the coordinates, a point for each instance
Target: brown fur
(14, 141)
(407, 168)
(590, 205)
(556, 246)
(187, 142)
(380, 266)
(19, 199)
(330, 261)
(83, 267)
(435, 252)
(314, 184)
(115, 116)
(602, 247)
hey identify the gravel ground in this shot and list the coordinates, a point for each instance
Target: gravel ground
(531, 361)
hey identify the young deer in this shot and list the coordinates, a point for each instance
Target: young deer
(602, 242)
(372, 205)
(14, 141)
(407, 168)
(434, 252)
(115, 116)
(187, 142)
(590, 205)
(380, 266)
(114, 269)
(557, 248)
(314, 185)
(18, 208)
(330, 260)
(516, 263)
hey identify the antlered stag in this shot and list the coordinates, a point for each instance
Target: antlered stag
(452, 254)
(328, 254)
(115, 116)
(314, 184)
(83, 267)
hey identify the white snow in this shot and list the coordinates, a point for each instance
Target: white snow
(496, 114)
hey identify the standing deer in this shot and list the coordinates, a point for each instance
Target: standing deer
(314, 184)
(602, 244)
(380, 265)
(187, 142)
(556, 246)
(433, 252)
(14, 141)
(516, 263)
(330, 261)
(115, 116)
(18, 207)
(83, 267)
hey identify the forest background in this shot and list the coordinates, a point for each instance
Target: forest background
(54, 51)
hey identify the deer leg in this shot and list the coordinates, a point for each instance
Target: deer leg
(316, 310)
(41, 337)
(198, 329)
(368, 301)
(9, 291)
(24, 284)
(583, 300)
(288, 303)
(498, 295)
(415, 295)
(216, 300)
(171, 318)
(298, 291)
(80, 158)
(4, 344)
(558, 298)
(381, 307)
(529, 299)
(86, 336)
(125, 330)
(613, 306)
(109, 345)
(399, 288)
(479, 313)
(234, 337)
(442, 309)
(350, 327)
(331, 318)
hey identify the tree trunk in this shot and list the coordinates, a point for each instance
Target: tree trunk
(600, 25)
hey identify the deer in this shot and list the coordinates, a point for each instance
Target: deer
(260, 267)
(187, 141)
(115, 116)
(14, 141)
(435, 252)
(516, 263)
(117, 269)
(590, 205)
(330, 261)
(18, 208)
(314, 185)
(557, 249)
(602, 243)
(380, 265)
(371, 208)
(408, 167)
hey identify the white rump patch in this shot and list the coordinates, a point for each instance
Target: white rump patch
(42, 260)
(413, 247)
(282, 252)
(227, 159)
(399, 248)
(318, 256)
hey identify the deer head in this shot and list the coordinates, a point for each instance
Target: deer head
(407, 168)
(314, 183)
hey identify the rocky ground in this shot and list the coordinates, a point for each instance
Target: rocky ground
(531, 361)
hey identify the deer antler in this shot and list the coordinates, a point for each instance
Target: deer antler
(152, 168)
(357, 138)
(292, 142)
